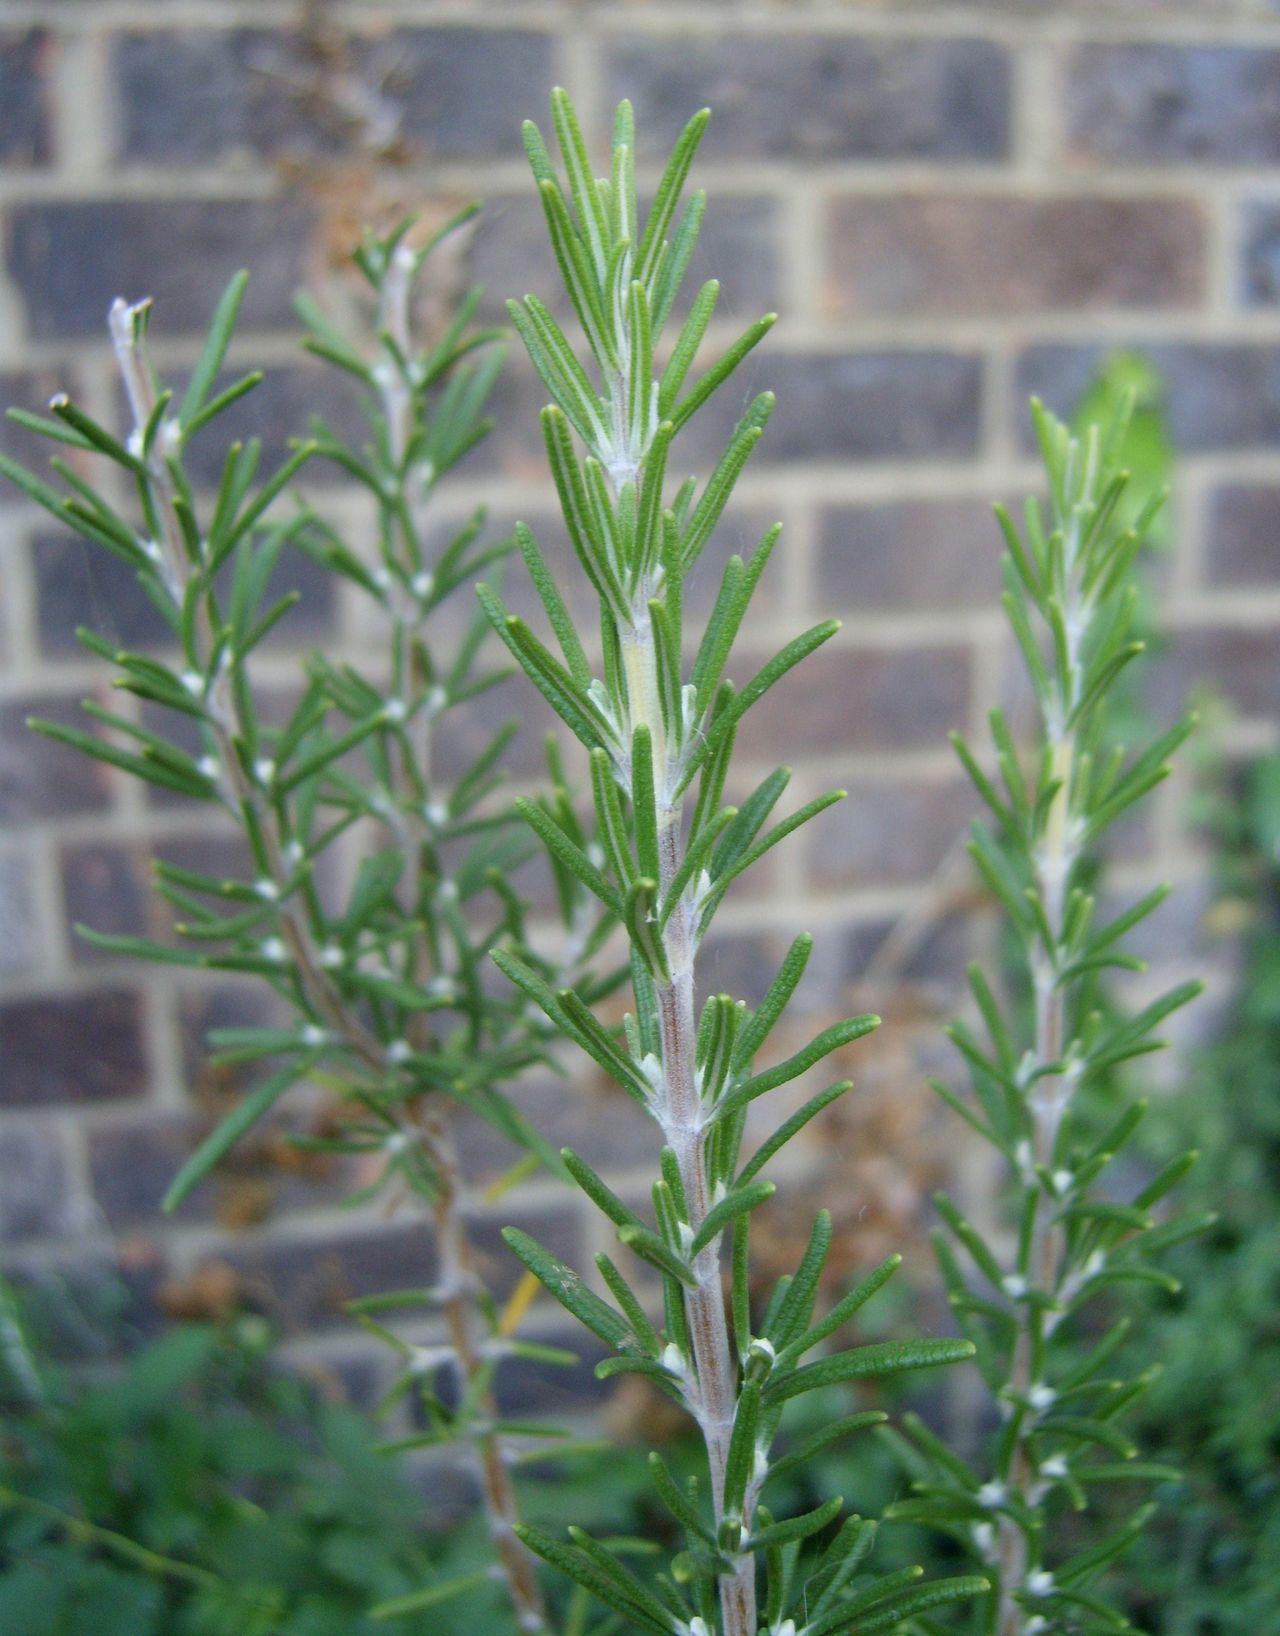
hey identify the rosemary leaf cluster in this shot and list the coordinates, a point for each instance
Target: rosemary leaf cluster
(659, 736)
(1071, 596)
(376, 894)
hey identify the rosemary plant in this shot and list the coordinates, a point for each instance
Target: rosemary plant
(659, 741)
(1070, 599)
(376, 894)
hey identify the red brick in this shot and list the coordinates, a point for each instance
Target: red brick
(1242, 537)
(983, 254)
(843, 699)
(26, 60)
(941, 554)
(890, 831)
(1166, 103)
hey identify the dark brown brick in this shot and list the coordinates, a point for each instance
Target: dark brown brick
(462, 732)
(945, 254)
(858, 699)
(1220, 395)
(209, 94)
(741, 963)
(869, 406)
(890, 831)
(1241, 663)
(818, 97)
(936, 957)
(40, 778)
(30, 391)
(107, 888)
(1242, 537)
(1165, 103)
(205, 95)
(69, 260)
(278, 409)
(132, 1164)
(80, 1048)
(34, 1196)
(26, 59)
(80, 583)
(532, 1391)
(304, 1281)
(556, 1226)
(597, 1120)
(1260, 255)
(224, 1003)
(939, 554)
(462, 91)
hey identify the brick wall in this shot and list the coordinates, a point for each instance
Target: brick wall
(950, 204)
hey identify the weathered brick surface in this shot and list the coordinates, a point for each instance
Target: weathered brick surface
(956, 254)
(26, 58)
(819, 97)
(1258, 284)
(937, 554)
(844, 699)
(69, 260)
(38, 778)
(1168, 104)
(205, 95)
(889, 831)
(1238, 663)
(108, 888)
(132, 1163)
(81, 1048)
(1242, 538)
(738, 245)
(916, 405)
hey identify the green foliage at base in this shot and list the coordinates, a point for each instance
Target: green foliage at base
(1210, 1568)
(202, 1491)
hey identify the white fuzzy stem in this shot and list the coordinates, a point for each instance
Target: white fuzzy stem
(680, 1115)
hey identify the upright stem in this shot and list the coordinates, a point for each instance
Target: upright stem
(1047, 1106)
(715, 1396)
(458, 1287)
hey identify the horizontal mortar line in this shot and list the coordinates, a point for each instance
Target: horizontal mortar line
(942, 24)
(501, 181)
(768, 21)
(1230, 464)
(965, 332)
(758, 21)
(849, 182)
(825, 905)
(181, 15)
(1243, 608)
(126, 184)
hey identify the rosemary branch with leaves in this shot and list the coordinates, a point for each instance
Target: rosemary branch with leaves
(382, 977)
(659, 745)
(1070, 599)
